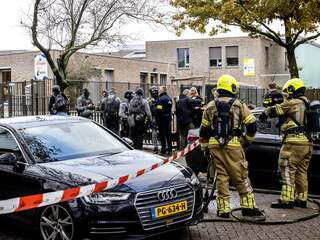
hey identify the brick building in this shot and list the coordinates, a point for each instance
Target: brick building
(96, 71)
(112, 68)
(252, 61)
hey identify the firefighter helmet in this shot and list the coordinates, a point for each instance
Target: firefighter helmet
(293, 85)
(228, 83)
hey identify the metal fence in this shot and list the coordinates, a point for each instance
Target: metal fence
(28, 98)
(313, 94)
(2, 100)
(32, 97)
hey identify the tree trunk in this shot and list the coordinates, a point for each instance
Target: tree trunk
(60, 81)
(61, 74)
(293, 67)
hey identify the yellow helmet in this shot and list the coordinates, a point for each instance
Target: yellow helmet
(228, 83)
(293, 85)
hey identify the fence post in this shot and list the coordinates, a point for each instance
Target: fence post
(44, 104)
(32, 96)
(10, 101)
(37, 98)
(24, 99)
(1, 100)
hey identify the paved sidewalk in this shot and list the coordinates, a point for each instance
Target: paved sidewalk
(224, 231)
(309, 229)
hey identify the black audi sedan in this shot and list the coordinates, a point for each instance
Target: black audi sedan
(262, 156)
(43, 154)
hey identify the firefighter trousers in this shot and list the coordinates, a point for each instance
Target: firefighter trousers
(231, 165)
(294, 161)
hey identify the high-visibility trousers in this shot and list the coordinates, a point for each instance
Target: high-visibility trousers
(231, 164)
(294, 161)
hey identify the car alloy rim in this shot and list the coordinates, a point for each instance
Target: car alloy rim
(167, 195)
(56, 223)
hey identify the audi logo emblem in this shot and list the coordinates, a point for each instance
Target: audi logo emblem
(167, 195)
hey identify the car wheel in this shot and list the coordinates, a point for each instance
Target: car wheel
(56, 223)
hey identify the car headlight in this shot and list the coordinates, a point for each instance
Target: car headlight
(107, 197)
(194, 181)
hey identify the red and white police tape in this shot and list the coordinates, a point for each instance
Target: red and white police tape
(45, 199)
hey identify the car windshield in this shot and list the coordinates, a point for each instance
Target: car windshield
(66, 141)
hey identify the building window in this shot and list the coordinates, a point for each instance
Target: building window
(109, 73)
(163, 79)
(183, 57)
(267, 57)
(143, 80)
(232, 55)
(215, 56)
(286, 61)
(154, 78)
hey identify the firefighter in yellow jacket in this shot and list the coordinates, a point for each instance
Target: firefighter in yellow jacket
(221, 134)
(296, 150)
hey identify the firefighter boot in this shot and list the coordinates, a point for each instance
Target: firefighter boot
(287, 198)
(223, 207)
(249, 209)
(301, 200)
(281, 204)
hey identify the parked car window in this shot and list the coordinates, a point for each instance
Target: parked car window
(8, 143)
(69, 141)
(267, 127)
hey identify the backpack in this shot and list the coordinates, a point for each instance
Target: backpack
(313, 116)
(311, 125)
(111, 107)
(312, 119)
(223, 121)
(137, 108)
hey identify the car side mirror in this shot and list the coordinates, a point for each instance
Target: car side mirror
(128, 141)
(8, 159)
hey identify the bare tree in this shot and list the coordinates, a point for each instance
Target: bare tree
(73, 25)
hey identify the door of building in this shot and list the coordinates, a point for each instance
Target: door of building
(109, 73)
(5, 79)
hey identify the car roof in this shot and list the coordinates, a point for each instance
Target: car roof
(41, 120)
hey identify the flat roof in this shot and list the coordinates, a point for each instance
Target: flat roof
(86, 53)
(199, 39)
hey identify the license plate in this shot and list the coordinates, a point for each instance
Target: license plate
(168, 210)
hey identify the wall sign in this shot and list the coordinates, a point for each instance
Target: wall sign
(248, 67)
(40, 67)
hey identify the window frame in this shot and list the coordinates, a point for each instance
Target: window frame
(286, 62)
(186, 58)
(25, 158)
(217, 59)
(163, 76)
(226, 57)
(267, 56)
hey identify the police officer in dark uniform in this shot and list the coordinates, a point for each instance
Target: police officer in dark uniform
(58, 102)
(85, 104)
(163, 115)
(154, 95)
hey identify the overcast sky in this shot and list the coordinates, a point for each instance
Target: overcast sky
(13, 36)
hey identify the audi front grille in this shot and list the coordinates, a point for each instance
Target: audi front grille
(145, 201)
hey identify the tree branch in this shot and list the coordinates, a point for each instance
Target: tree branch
(35, 40)
(307, 39)
(275, 35)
